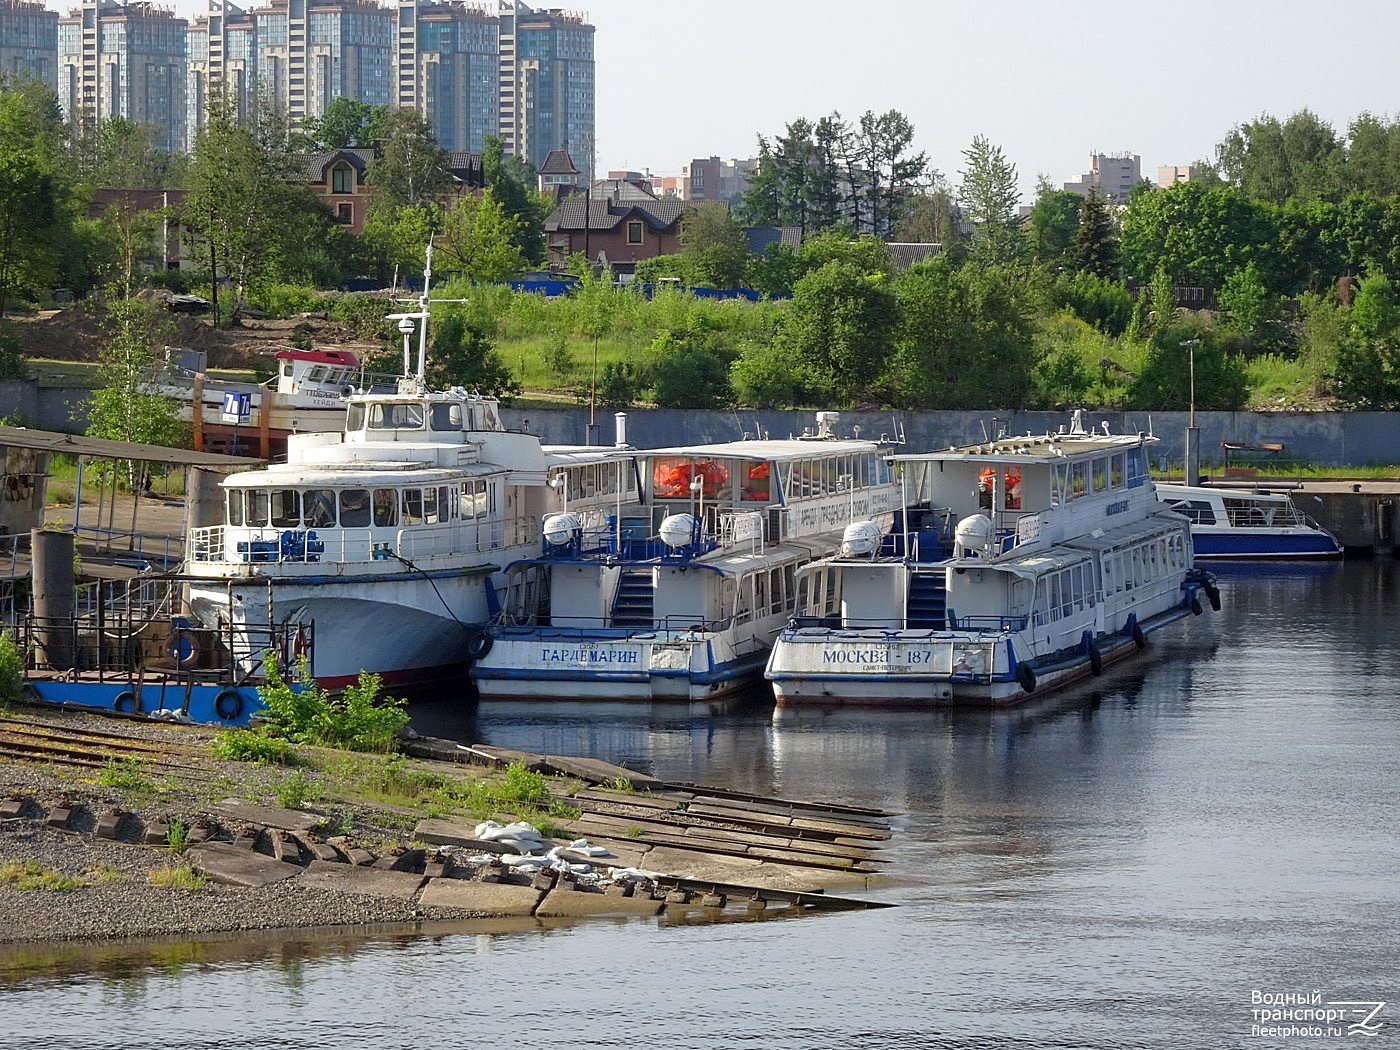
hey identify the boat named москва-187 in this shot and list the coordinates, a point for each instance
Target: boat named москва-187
(1023, 563)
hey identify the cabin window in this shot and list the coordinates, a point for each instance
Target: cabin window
(392, 416)
(430, 506)
(754, 475)
(386, 507)
(319, 507)
(1057, 484)
(287, 369)
(317, 374)
(1137, 468)
(234, 514)
(1115, 470)
(413, 506)
(286, 508)
(1100, 469)
(354, 508)
(257, 506)
(1078, 479)
(355, 417)
(473, 499)
(445, 417)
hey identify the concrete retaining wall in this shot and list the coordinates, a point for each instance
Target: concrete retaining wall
(1322, 438)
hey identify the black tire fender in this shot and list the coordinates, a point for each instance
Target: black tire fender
(124, 701)
(1139, 639)
(228, 705)
(1095, 657)
(1025, 676)
(480, 645)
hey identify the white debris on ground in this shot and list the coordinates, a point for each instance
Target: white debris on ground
(537, 854)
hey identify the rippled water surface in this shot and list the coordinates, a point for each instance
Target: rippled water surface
(1122, 867)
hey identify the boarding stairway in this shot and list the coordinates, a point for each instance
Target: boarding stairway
(928, 601)
(632, 604)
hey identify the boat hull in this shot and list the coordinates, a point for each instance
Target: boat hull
(413, 630)
(527, 664)
(916, 668)
(1255, 545)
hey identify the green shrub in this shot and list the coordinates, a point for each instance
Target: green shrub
(11, 668)
(356, 719)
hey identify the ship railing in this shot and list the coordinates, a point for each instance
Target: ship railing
(985, 624)
(110, 645)
(282, 546)
(581, 628)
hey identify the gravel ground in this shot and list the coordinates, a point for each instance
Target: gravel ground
(116, 899)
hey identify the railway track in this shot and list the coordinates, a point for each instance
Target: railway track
(47, 744)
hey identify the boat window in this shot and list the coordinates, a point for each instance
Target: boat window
(395, 416)
(256, 505)
(444, 416)
(234, 514)
(672, 477)
(473, 499)
(1078, 479)
(1115, 470)
(286, 508)
(413, 506)
(430, 506)
(355, 417)
(386, 507)
(354, 508)
(287, 369)
(1198, 511)
(319, 505)
(755, 475)
(1137, 467)
(1100, 471)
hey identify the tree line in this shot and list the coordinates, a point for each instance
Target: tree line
(1288, 235)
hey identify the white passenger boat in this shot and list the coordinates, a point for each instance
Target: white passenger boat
(680, 597)
(1248, 524)
(306, 396)
(1025, 562)
(387, 536)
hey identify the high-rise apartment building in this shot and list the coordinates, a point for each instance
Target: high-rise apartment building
(547, 83)
(29, 41)
(222, 51)
(124, 60)
(471, 68)
(448, 69)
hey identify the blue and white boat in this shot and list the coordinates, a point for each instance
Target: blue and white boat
(679, 598)
(1022, 563)
(1248, 524)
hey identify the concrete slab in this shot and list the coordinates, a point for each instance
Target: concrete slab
(619, 855)
(13, 807)
(232, 810)
(234, 866)
(567, 902)
(667, 860)
(483, 898)
(596, 771)
(440, 832)
(370, 882)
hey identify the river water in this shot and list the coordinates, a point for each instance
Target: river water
(1134, 864)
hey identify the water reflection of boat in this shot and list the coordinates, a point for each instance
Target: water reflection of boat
(1248, 524)
(1062, 561)
(680, 596)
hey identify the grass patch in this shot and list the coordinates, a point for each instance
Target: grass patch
(29, 875)
(177, 836)
(176, 877)
(245, 745)
(125, 774)
(104, 875)
(295, 789)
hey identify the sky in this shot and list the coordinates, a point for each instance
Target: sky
(1048, 83)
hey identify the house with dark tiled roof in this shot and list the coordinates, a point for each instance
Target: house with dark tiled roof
(338, 178)
(557, 175)
(618, 223)
(760, 238)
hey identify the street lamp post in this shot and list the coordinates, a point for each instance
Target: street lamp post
(1193, 444)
